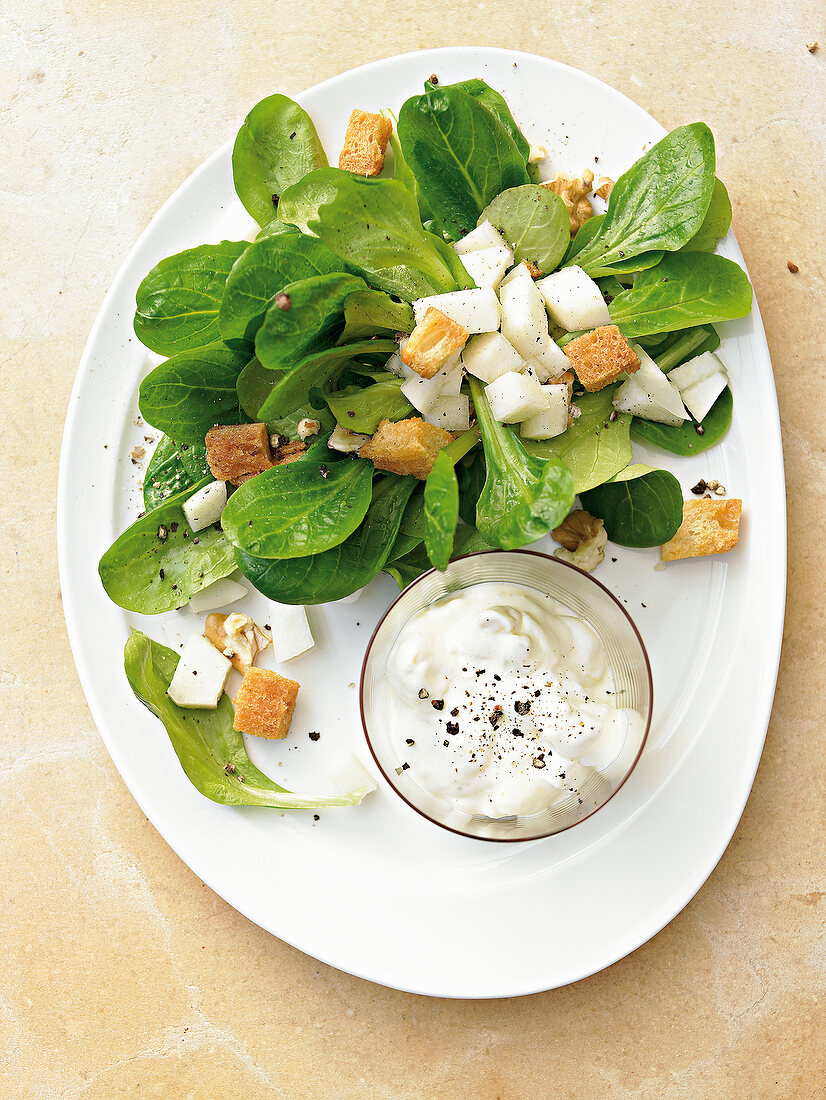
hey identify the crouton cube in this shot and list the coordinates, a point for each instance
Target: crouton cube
(406, 447)
(708, 527)
(265, 703)
(364, 143)
(432, 342)
(601, 356)
(237, 452)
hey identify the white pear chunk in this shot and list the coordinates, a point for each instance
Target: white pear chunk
(700, 382)
(487, 266)
(423, 393)
(451, 413)
(291, 634)
(205, 507)
(349, 774)
(490, 355)
(552, 421)
(474, 310)
(395, 365)
(574, 300)
(518, 272)
(649, 394)
(201, 675)
(550, 363)
(485, 235)
(218, 594)
(524, 323)
(515, 397)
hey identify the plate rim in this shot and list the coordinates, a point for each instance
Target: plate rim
(669, 908)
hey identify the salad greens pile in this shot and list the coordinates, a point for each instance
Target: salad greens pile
(299, 324)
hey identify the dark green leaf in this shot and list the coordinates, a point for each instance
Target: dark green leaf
(595, 447)
(276, 146)
(343, 570)
(640, 507)
(142, 571)
(496, 104)
(471, 473)
(362, 409)
(374, 225)
(371, 312)
(460, 153)
(685, 440)
(171, 469)
(187, 394)
(441, 510)
(265, 269)
(523, 497)
(685, 289)
(304, 508)
(402, 173)
(311, 321)
(716, 222)
(406, 567)
(534, 222)
(588, 231)
(659, 203)
(210, 750)
(178, 301)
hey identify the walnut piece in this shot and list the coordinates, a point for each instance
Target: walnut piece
(237, 637)
(574, 193)
(606, 186)
(582, 537)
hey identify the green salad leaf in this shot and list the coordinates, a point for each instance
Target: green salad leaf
(412, 559)
(210, 751)
(471, 474)
(460, 153)
(187, 394)
(523, 497)
(629, 265)
(441, 510)
(157, 565)
(683, 290)
(178, 301)
(716, 222)
(534, 222)
(659, 203)
(362, 408)
(344, 569)
(497, 105)
(303, 508)
(371, 313)
(173, 468)
(594, 448)
(276, 146)
(640, 506)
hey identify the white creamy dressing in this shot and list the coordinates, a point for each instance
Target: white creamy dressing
(502, 701)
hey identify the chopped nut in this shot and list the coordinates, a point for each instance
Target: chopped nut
(606, 186)
(288, 452)
(536, 153)
(812, 47)
(283, 301)
(792, 267)
(137, 454)
(307, 427)
(535, 271)
(582, 537)
(347, 442)
(708, 527)
(432, 343)
(237, 637)
(574, 193)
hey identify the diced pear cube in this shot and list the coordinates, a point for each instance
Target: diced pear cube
(205, 507)
(474, 310)
(514, 397)
(490, 355)
(552, 421)
(574, 300)
(450, 412)
(649, 394)
(485, 235)
(218, 594)
(524, 322)
(423, 393)
(487, 266)
(291, 634)
(700, 382)
(201, 675)
(550, 363)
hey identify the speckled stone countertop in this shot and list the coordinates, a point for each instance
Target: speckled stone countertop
(124, 975)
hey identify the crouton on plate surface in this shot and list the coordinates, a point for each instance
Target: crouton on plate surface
(601, 356)
(265, 703)
(406, 446)
(708, 527)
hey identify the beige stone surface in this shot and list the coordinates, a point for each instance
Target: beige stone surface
(124, 976)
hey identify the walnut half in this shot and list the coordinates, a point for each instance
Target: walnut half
(582, 538)
(574, 193)
(237, 637)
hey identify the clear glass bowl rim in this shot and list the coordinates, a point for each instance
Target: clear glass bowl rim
(508, 839)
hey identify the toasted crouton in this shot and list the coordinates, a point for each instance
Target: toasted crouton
(601, 356)
(708, 527)
(406, 447)
(364, 143)
(432, 342)
(237, 452)
(265, 703)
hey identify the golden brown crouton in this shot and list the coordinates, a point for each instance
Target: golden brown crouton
(237, 452)
(708, 527)
(286, 451)
(574, 193)
(601, 356)
(406, 447)
(364, 143)
(432, 342)
(265, 703)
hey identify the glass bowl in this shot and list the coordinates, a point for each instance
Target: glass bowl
(577, 591)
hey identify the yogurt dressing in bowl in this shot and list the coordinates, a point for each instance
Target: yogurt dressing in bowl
(502, 701)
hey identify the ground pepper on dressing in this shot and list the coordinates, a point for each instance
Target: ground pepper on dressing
(502, 701)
